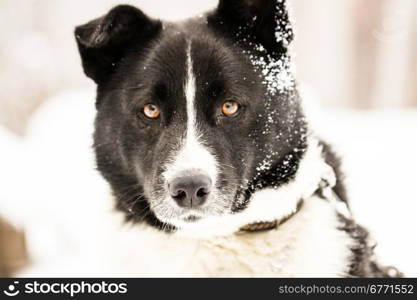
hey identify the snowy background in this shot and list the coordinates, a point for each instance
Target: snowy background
(356, 58)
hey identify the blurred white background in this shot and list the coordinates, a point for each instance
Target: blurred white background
(358, 58)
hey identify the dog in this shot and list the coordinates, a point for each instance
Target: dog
(201, 134)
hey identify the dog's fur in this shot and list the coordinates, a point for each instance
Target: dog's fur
(263, 162)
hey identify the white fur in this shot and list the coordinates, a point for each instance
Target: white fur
(307, 245)
(193, 155)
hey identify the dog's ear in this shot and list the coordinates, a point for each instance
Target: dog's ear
(104, 41)
(266, 22)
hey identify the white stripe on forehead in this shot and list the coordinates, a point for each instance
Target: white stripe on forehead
(190, 90)
(193, 154)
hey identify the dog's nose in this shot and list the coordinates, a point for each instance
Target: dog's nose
(190, 190)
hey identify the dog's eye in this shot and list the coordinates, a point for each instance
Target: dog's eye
(151, 111)
(230, 108)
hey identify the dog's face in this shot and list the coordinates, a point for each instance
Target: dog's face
(193, 117)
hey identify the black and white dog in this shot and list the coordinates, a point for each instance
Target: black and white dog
(201, 134)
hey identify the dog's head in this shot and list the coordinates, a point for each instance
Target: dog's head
(193, 117)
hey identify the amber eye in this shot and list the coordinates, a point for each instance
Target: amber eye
(151, 111)
(230, 108)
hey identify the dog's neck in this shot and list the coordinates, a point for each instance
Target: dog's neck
(219, 249)
(271, 205)
(269, 225)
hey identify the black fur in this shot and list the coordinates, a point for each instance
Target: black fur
(257, 19)
(103, 42)
(363, 261)
(334, 161)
